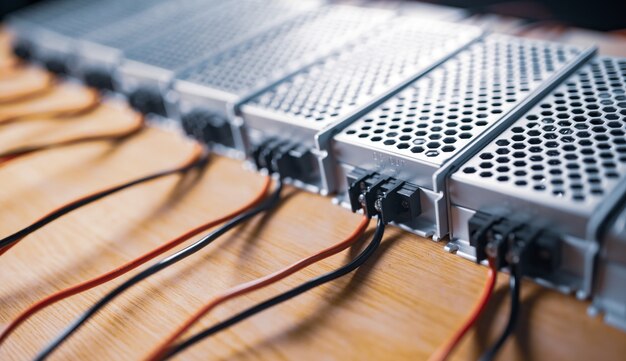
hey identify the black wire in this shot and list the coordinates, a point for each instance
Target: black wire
(94, 197)
(166, 262)
(354, 264)
(515, 284)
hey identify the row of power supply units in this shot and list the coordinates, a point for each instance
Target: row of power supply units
(466, 134)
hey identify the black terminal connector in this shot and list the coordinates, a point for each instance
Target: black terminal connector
(56, 66)
(99, 79)
(148, 101)
(538, 249)
(395, 200)
(286, 158)
(263, 156)
(512, 239)
(208, 127)
(297, 162)
(23, 50)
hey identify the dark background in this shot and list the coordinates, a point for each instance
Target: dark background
(602, 15)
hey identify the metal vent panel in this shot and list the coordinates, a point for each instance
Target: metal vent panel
(130, 31)
(350, 78)
(270, 54)
(214, 31)
(438, 115)
(76, 21)
(571, 147)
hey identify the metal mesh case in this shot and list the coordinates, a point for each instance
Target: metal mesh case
(51, 29)
(423, 132)
(351, 80)
(218, 83)
(560, 161)
(155, 62)
(103, 47)
(609, 296)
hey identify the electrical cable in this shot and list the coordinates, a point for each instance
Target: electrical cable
(127, 267)
(443, 352)
(197, 159)
(328, 277)
(137, 126)
(268, 204)
(56, 114)
(259, 283)
(515, 283)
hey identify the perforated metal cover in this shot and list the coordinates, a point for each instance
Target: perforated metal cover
(570, 149)
(152, 22)
(437, 116)
(274, 52)
(78, 18)
(214, 31)
(352, 77)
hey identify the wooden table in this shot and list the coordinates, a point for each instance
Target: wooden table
(401, 305)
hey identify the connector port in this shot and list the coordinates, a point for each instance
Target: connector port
(148, 101)
(99, 79)
(23, 50)
(56, 66)
(208, 127)
(395, 200)
(286, 158)
(512, 238)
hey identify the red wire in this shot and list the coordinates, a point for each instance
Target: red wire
(94, 282)
(8, 158)
(446, 349)
(248, 287)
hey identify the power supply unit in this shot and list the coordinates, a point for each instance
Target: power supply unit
(47, 33)
(341, 87)
(556, 170)
(209, 90)
(609, 277)
(101, 51)
(148, 69)
(421, 134)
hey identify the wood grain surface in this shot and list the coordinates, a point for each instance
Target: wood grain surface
(401, 305)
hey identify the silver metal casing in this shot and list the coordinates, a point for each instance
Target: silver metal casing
(226, 79)
(349, 82)
(560, 162)
(609, 295)
(52, 29)
(153, 64)
(421, 134)
(103, 49)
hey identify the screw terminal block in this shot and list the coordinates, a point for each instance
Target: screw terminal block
(288, 159)
(208, 127)
(514, 239)
(396, 200)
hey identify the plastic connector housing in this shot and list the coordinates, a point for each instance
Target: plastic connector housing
(208, 127)
(290, 160)
(397, 201)
(57, 66)
(23, 50)
(147, 101)
(100, 79)
(504, 236)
